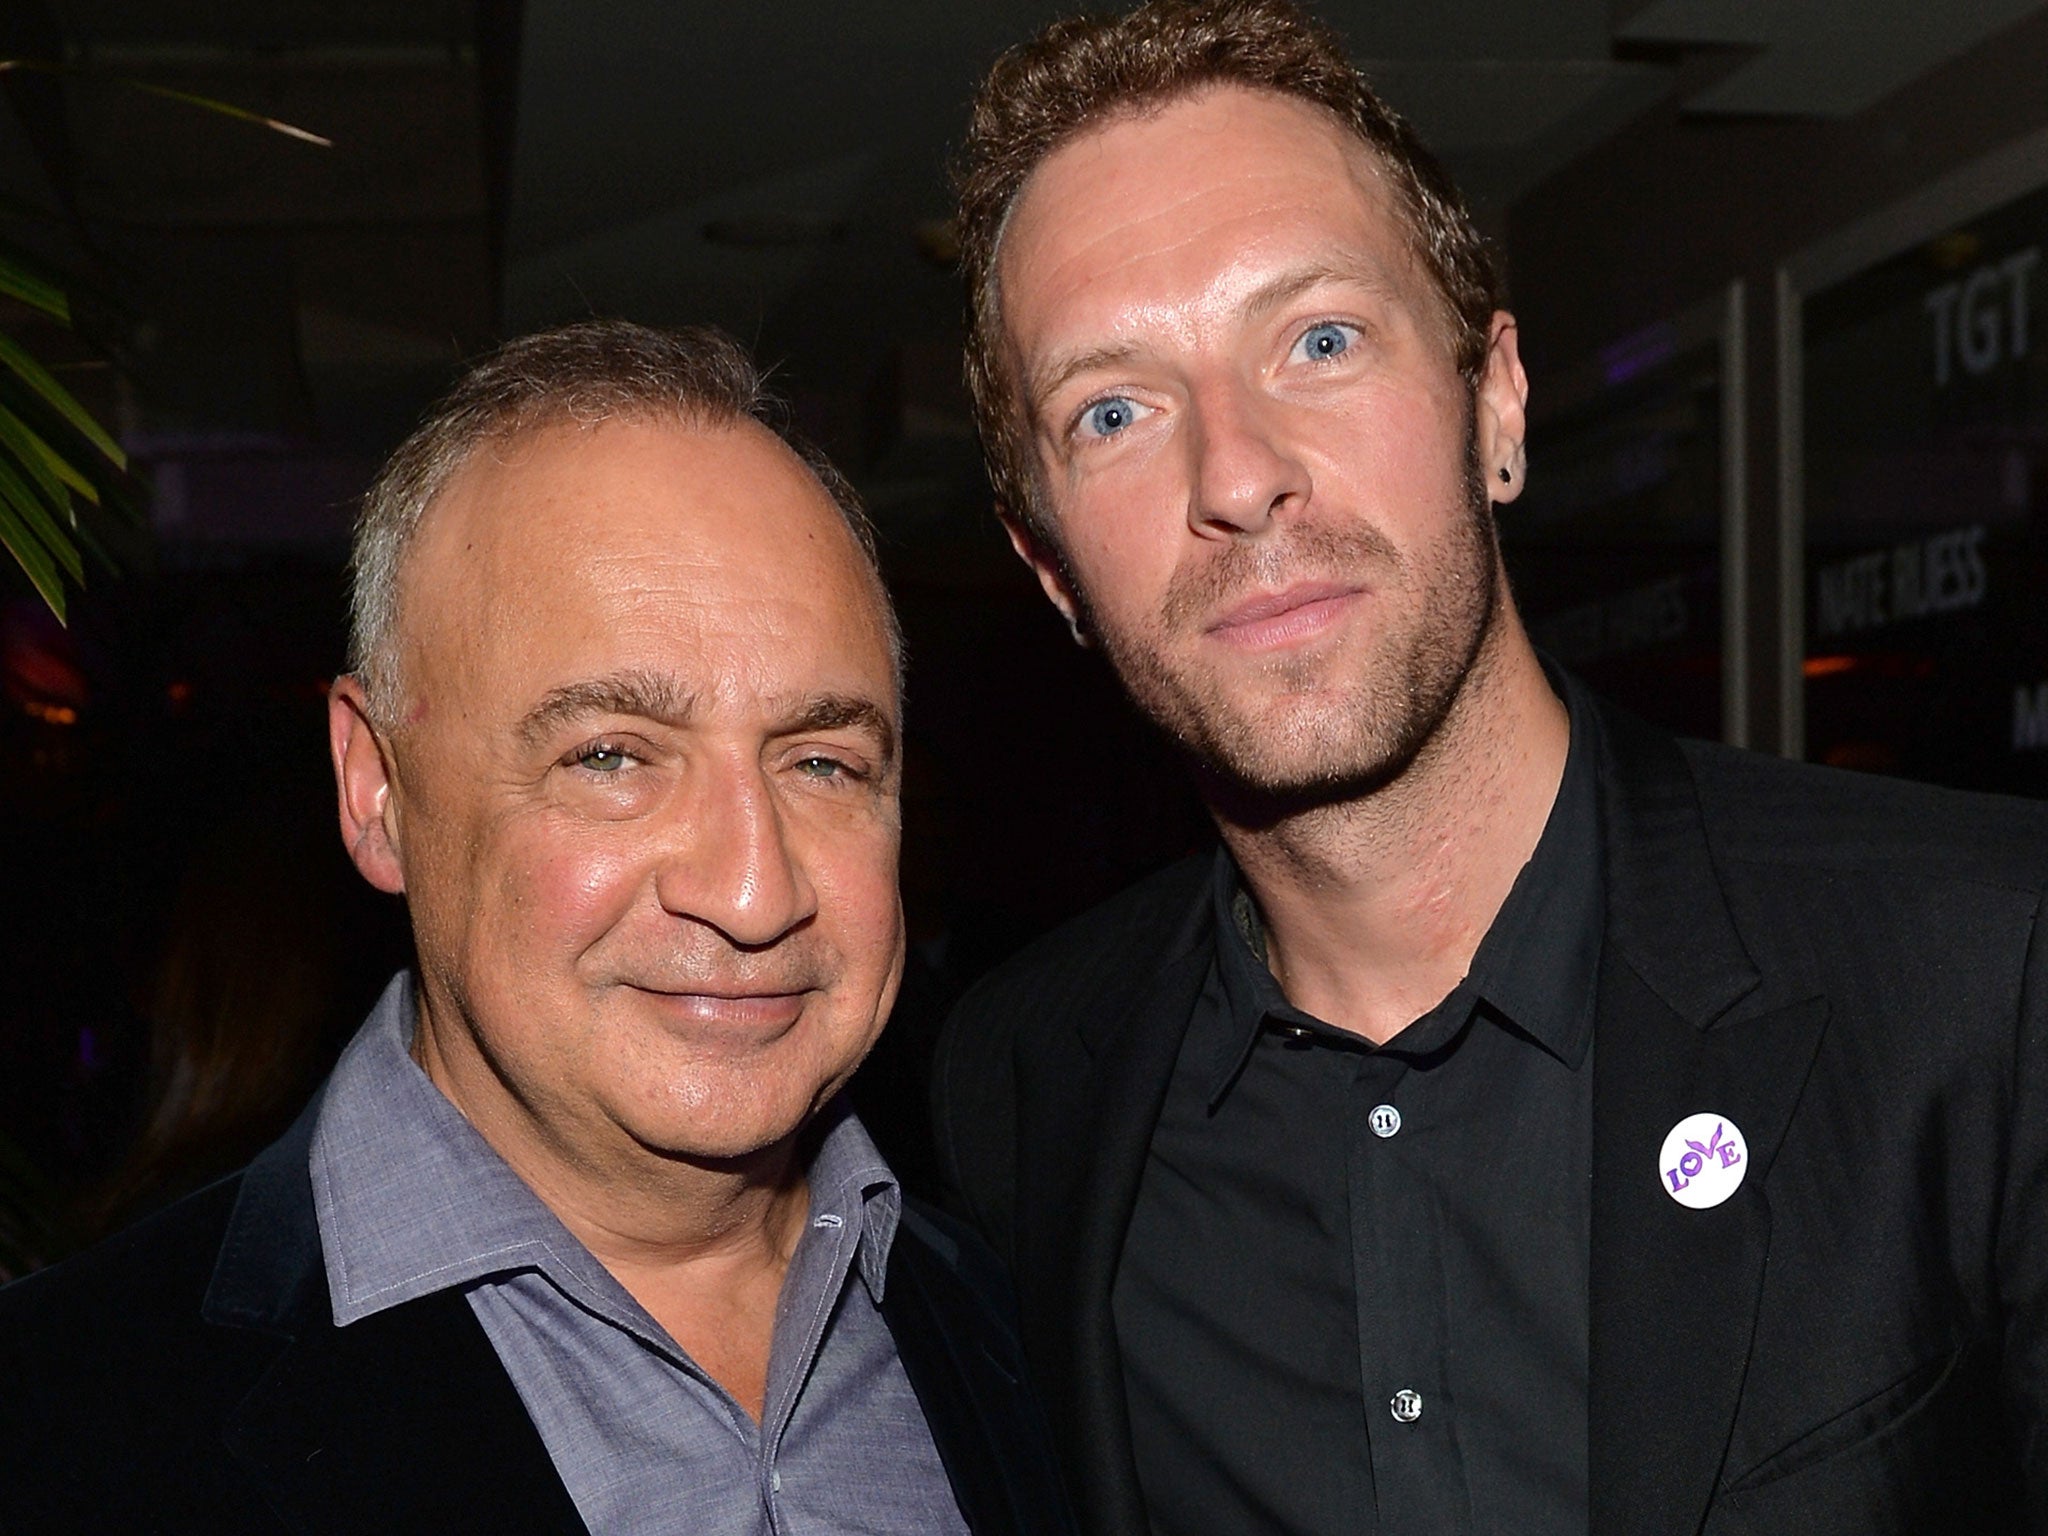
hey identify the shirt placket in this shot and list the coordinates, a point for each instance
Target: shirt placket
(818, 1270)
(1397, 1256)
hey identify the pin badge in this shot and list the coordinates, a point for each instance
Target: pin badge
(1703, 1161)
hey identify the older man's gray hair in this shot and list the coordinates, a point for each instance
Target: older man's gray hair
(588, 373)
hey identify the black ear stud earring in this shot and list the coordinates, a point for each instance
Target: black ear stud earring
(1505, 475)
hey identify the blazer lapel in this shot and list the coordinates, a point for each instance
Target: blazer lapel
(1089, 1140)
(403, 1422)
(1686, 1026)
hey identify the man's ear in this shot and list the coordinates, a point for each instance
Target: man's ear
(1500, 408)
(362, 782)
(1051, 572)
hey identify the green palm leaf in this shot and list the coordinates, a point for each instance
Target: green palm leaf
(184, 98)
(35, 513)
(28, 455)
(33, 557)
(38, 378)
(53, 453)
(18, 282)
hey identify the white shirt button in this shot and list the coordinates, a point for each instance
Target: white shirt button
(775, 1481)
(1384, 1120)
(1407, 1405)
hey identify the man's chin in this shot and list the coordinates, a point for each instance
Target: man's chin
(1260, 767)
(1255, 791)
(1310, 747)
(722, 1116)
(726, 1142)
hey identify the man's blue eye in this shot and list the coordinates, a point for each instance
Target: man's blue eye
(821, 767)
(602, 759)
(1324, 341)
(1106, 418)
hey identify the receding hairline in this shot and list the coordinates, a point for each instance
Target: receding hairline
(504, 445)
(524, 421)
(1153, 105)
(505, 440)
(586, 372)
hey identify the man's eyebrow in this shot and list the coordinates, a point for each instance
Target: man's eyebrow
(1057, 372)
(1278, 290)
(1286, 286)
(642, 694)
(839, 712)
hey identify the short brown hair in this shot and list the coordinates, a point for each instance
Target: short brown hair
(1080, 73)
(588, 373)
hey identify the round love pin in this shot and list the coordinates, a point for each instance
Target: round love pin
(1704, 1161)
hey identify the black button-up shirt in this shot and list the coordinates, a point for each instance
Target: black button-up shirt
(1353, 1295)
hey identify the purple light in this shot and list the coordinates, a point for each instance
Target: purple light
(1638, 353)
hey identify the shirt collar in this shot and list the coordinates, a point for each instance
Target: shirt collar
(411, 1199)
(1536, 970)
(851, 1185)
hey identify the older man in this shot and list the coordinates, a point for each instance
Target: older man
(1522, 1123)
(579, 1234)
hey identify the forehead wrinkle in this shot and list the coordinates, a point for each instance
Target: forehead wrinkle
(1215, 295)
(1040, 380)
(1360, 164)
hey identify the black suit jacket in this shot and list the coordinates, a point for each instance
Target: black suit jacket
(1847, 967)
(187, 1377)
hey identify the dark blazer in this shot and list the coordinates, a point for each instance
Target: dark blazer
(186, 1376)
(1854, 1344)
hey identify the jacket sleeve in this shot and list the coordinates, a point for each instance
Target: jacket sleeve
(2023, 1232)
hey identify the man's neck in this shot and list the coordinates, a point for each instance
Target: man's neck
(1374, 906)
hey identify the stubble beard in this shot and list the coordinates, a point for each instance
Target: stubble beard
(1262, 751)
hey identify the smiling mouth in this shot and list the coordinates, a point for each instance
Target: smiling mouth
(736, 1008)
(1296, 613)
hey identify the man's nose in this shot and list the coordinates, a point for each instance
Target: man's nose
(733, 865)
(1245, 468)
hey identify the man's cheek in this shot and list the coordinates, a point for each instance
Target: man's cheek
(575, 891)
(851, 863)
(1399, 442)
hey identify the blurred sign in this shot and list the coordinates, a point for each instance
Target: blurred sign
(1941, 574)
(1981, 321)
(1614, 550)
(1926, 429)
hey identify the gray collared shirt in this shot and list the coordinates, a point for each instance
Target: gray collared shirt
(412, 1200)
